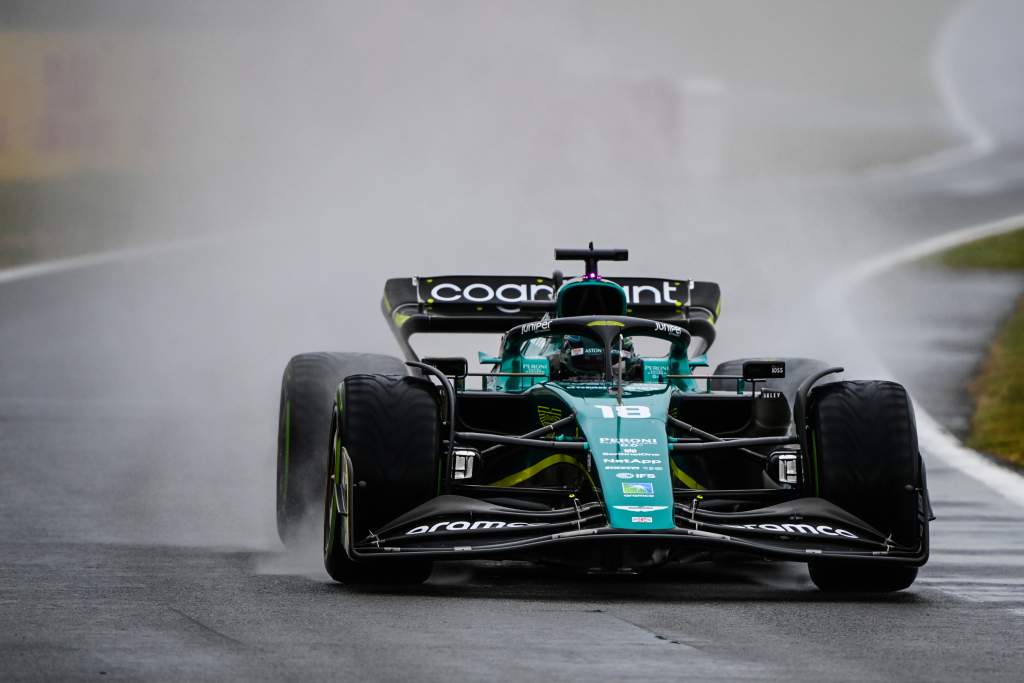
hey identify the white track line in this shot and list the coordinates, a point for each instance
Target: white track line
(933, 437)
(41, 268)
(919, 250)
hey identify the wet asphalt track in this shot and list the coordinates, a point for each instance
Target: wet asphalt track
(136, 543)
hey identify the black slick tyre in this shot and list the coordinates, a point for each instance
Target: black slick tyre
(384, 462)
(308, 388)
(865, 459)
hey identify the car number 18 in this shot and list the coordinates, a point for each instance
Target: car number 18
(624, 411)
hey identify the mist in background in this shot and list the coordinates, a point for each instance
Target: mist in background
(316, 149)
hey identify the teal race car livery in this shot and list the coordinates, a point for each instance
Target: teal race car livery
(594, 441)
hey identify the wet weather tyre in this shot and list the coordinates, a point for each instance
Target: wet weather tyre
(865, 460)
(851, 578)
(389, 429)
(308, 387)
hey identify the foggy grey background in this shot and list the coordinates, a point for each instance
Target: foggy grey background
(322, 147)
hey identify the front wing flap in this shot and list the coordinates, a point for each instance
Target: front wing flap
(805, 529)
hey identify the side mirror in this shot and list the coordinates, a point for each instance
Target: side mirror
(485, 359)
(764, 369)
(453, 367)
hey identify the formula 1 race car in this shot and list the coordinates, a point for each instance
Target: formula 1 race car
(592, 442)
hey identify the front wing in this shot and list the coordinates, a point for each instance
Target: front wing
(804, 530)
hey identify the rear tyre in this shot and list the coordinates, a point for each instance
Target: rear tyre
(384, 462)
(307, 394)
(865, 459)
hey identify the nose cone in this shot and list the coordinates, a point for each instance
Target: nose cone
(629, 447)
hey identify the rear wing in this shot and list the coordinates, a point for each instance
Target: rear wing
(496, 303)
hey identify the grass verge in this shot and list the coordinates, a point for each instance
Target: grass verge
(1003, 252)
(997, 426)
(998, 423)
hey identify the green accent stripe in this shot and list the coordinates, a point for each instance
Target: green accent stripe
(687, 480)
(535, 469)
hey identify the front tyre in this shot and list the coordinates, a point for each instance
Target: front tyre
(866, 578)
(385, 442)
(865, 459)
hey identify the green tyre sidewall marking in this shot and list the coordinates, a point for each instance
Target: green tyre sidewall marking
(336, 478)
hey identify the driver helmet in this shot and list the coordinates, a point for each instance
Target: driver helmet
(584, 357)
